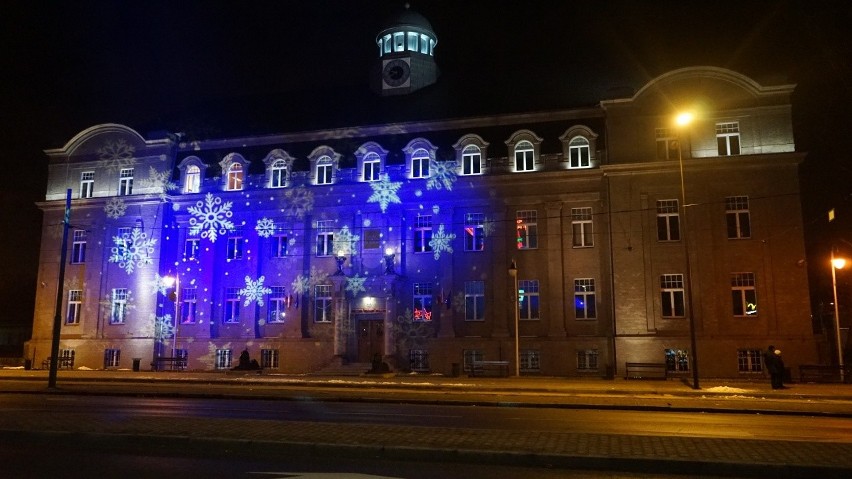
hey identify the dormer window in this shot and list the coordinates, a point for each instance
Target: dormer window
(524, 149)
(324, 171)
(372, 167)
(578, 147)
(370, 161)
(578, 153)
(279, 164)
(235, 177)
(324, 165)
(234, 168)
(420, 164)
(524, 156)
(470, 154)
(278, 174)
(192, 179)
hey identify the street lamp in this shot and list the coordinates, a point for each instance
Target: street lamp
(174, 296)
(341, 258)
(837, 263)
(513, 272)
(389, 260)
(683, 120)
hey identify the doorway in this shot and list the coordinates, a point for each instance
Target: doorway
(370, 340)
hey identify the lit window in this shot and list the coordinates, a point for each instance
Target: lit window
(278, 303)
(75, 306)
(192, 179)
(278, 174)
(235, 177)
(112, 358)
(471, 160)
(118, 306)
(672, 296)
(372, 167)
(78, 247)
(578, 153)
(232, 305)
(677, 360)
(667, 144)
(524, 156)
(581, 225)
(423, 234)
(587, 360)
(737, 217)
(424, 44)
(585, 306)
(474, 300)
(87, 184)
(325, 238)
(420, 164)
(125, 182)
(528, 299)
(422, 302)
(224, 358)
(189, 305)
(526, 229)
(322, 303)
(668, 220)
(728, 138)
(399, 42)
(743, 294)
(412, 41)
(474, 232)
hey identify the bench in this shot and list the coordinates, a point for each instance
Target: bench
(168, 363)
(64, 362)
(813, 373)
(646, 371)
(489, 368)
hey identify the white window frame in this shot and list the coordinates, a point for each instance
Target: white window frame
(279, 246)
(750, 360)
(118, 306)
(677, 360)
(189, 305)
(672, 295)
(125, 182)
(371, 168)
(235, 244)
(269, 358)
(420, 163)
(423, 234)
(474, 301)
(231, 313)
(325, 238)
(585, 295)
(78, 247)
(582, 227)
(530, 360)
(112, 358)
(277, 309)
(744, 295)
(191, 248)
(668, 220)
(737, 217)
(278, 174)
(471, 160)
(75, 307)
(422, 302)
(524, 154)
(579, 153)
(322, 303)
(529, 300)
(728, 138)
(192, 179)
(235, 178)
(526, 229)
(587, 359)
(224, 358)
(474, 232)
(87, 184)
(325, 170)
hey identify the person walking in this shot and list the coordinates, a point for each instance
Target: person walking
(771, 361)
(779, 366)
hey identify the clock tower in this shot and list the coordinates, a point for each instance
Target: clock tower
(406, 61)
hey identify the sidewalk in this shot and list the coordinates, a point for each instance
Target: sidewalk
(662, 454)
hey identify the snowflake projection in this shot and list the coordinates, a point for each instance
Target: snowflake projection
(458, 301)
(345, 241)
(116, 155)
(411, 334)
(132, 250)
(254, 291)
(164, 327)
(74, 282)
(265, 227)
(159, 181)
(384, 192)
(304, 285)
(115, 208)
(488, 227)
(158, 285)
(106, 303)
(442, 175)
(298, 202)
(210, 218)
(355, 285)
(441, 241)
(213, 349)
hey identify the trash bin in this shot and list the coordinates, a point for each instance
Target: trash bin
(136, 362)
(456, 371)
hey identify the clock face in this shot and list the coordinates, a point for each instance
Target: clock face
(396, 72)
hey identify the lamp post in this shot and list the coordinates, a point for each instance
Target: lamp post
(341, 258)
(513, 272)
(837, 263)
(169, 281)
(683, 120)
(389, 260)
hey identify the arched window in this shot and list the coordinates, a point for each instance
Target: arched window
(578, 153)
(372, 166)
(324, 170)
(420, 163)
(235, 177)
(471, 160)
(192, 179)
(278, 174)
(524, 156)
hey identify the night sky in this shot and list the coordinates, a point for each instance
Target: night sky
(190, 65)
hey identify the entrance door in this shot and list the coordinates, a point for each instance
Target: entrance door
(370, 340)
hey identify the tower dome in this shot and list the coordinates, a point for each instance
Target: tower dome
(406, 54)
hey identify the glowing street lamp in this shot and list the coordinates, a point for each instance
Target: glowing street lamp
(837, 263)
(341, 258)
(683, 120)
(389, 253)
(513, 272)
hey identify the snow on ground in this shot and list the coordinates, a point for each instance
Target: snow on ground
(727, 389)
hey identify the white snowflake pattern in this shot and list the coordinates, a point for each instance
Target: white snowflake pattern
(488, 227)
(132, 250)
(304, 285)
(265, 227)
(116, 155)
(164, 327)
(158, 285)
(384, 192)
(442, 175)
(115, 208)
(344, 241)
(159, 181)
(441, 241)
(210, 218)
(355, 285)
(254, 291)
(298, 202)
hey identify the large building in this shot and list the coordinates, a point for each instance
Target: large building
(624, 236)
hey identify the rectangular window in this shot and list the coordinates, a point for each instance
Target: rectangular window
(671, 296)
(422, 302)
(418, 359)
(78, 247)
(471, 161)
(277, 301)
(423, 234)
(743, 294)
(279, 246)
(524, 159)
(190, 248)
(528, 299)
(235, 243)
(75, 306)
(183, 357)
(750, 361)
(322, 303)
(728, 138)
(420, 166)
(192, 179)
(530, 360)
(587, 360)
(667, 144)
(269, 358)
(470, 356)
(737, 217)
(325, 238)
(668, 220)
(677, 360)
(278, 174)
(585, 306)
(87, 184)
(412, 41)
(112, 358)
(581, 224)
(324, 174)
(118, 306)
(372, 170)
(579, 153)
(474, 300)
(189, 305)
(526, 229)
(66, 359)
(125, 182)
(372, 238)
(474, 232)
(232, 305)
(224, 358)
